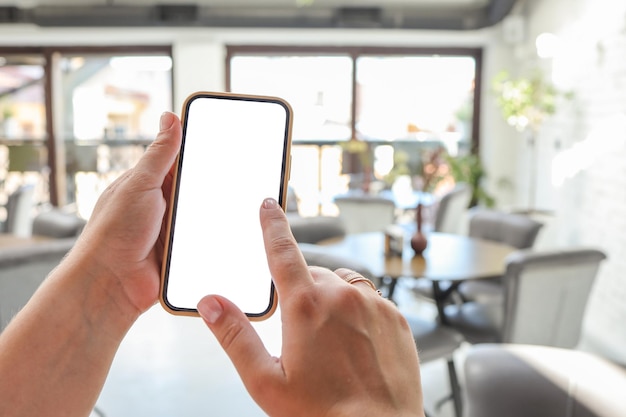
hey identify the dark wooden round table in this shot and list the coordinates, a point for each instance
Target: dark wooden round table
(448, 257)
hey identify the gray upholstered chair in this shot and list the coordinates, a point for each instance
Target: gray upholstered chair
(451, 209)
(23, 268)
(311, 229)
(529, 380)
(435, 341)
(545, 298)
(365, 213)
(58, 224)
(516, 230)
(19, 207)
(314, 229)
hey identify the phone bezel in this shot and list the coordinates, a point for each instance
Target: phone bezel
(171, 215)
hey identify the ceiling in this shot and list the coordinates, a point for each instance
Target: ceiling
(383, 14)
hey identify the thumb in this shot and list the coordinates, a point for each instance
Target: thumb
(237, 337)
(159, 157)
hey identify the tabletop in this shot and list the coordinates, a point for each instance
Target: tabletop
(448, 257)
(8, 240)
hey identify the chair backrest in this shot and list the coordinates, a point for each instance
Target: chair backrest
(546, 295)
(23, 268)
(365, 214)
(516, 230)
(19, 211)
(293, 202)
(451, 207)
(58, 224)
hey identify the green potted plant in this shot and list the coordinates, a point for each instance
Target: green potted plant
(469, 169)
(525, 103)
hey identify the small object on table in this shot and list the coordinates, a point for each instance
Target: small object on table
(419, 243)
(418, 240)
(394, 240)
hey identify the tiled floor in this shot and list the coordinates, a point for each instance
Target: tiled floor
(172, 366)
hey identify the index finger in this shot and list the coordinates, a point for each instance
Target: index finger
(287, 265)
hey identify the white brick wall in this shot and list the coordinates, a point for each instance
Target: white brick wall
(589, 134)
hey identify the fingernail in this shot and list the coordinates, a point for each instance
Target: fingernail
(270, 203)
(210, 309)
(166, 121)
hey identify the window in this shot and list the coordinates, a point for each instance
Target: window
(416, 97)
(319, 89)
(22, 125)
(91, 108)
(110, 102)
(392, 99)
(22, 95)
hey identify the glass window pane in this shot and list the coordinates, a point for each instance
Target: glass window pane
(422, 97)
(23, 156)
(319, 88)
(22, 108)
(115, 97)
(110, 112)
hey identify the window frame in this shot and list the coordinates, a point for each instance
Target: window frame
(354, 52)
(50, 54)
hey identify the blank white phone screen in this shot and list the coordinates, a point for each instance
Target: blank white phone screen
(233, 157)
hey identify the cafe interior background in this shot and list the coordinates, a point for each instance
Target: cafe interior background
(95, 76)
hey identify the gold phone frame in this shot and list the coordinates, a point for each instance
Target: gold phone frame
(170, 216)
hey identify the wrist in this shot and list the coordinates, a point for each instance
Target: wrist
(103, 299)
(365, 409)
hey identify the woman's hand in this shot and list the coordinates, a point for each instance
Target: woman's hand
(346, 350)
(124, 237)
(55, 354)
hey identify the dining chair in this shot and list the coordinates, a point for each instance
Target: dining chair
(517, 230)
(449, 213)
(451, 208)
(311, 229)
(19, 211)
(436, 341)
(546, 293)
(366, 213)
(519, 380)
(23, 268)
(58, 223)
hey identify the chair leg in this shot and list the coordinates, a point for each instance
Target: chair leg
(455, 387)
(455, 391)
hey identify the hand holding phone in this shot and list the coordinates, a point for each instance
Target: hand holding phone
(235, 152)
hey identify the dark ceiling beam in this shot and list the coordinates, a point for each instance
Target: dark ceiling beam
(448, 18)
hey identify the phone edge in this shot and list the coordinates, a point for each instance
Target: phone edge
(286, 174)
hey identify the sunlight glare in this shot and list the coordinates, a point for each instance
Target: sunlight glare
(141, 63)
(607, 137)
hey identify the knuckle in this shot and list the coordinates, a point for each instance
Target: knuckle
(343, 271)
(318, 271)
(230, 334)
(283, 244)
(351, 296)
(305, 303)
(349, 300)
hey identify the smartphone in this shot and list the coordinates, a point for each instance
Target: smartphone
(235, 152)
